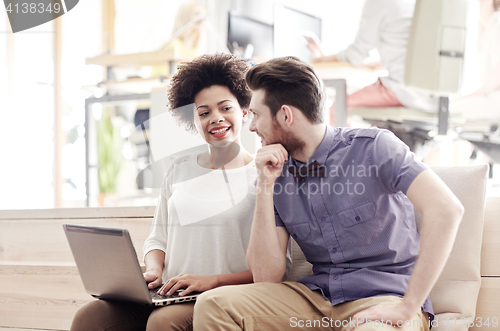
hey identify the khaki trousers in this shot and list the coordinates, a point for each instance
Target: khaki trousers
(101, 315)
(286, 306)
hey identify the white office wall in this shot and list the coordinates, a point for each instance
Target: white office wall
(26, 110)
(142, 26)
(216, 25)
(4, 27)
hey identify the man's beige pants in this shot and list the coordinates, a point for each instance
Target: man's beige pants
(287, 306)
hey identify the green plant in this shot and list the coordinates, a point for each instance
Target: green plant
(109, 145)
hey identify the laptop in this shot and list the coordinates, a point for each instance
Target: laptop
(109, 269)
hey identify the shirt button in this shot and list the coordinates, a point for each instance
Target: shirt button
(357, 218)
(294, 236)
(334, 250)
(313, 189)
(323, 219)
(335, 277)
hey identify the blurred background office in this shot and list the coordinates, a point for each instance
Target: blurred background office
(83, 97)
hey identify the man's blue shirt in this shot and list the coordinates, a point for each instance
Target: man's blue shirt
(356, 225)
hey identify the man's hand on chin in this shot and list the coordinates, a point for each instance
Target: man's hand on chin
(269, 161)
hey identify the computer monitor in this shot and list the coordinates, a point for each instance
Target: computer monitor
(290, 26)
(244, 31)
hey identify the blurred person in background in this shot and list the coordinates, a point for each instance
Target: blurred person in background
(385, 25)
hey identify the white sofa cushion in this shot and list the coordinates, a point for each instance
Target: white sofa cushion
(455, 294)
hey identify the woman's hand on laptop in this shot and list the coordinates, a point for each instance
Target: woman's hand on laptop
(154, 261)
(190, 283)
(153, 278)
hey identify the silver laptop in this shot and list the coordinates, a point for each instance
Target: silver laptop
(107, 263)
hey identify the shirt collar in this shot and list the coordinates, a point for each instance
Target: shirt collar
(323, 149)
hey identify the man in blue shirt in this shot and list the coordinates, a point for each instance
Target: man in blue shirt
(346, 196)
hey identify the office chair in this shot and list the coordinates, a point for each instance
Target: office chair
(434, 65)
(485, 137)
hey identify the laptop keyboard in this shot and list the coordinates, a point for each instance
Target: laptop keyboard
(155, 296)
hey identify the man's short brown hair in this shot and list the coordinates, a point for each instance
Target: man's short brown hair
(289, 81)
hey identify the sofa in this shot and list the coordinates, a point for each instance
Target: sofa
(40, 288)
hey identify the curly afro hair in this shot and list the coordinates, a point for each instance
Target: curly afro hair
(203, 72)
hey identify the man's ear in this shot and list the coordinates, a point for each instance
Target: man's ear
(287, 115)
(245, 115)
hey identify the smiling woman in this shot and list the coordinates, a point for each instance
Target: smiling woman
(218, 118)
(206, 71)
